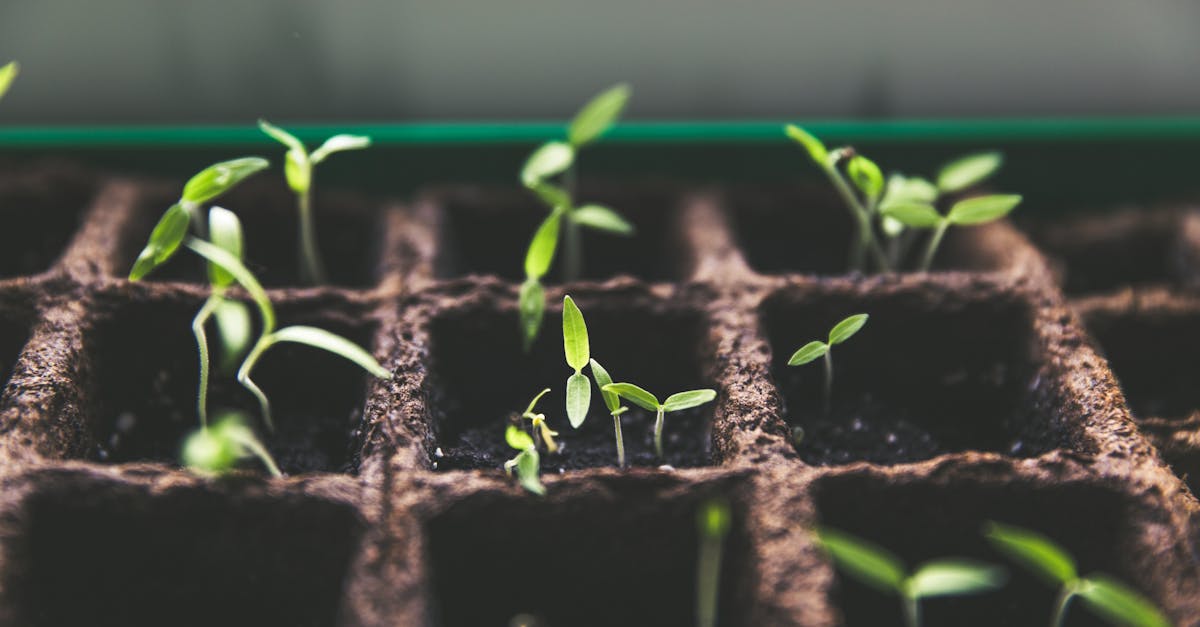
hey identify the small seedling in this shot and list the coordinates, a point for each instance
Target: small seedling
(538, 429)
(613, 403)
(879, 568)
(8, 73)
(578, 353)
(968, 212)
(298, 169)
(217, 449)
(815, 349)
(1112, 600)
(647, 401)
(527, 462)
(712, 524)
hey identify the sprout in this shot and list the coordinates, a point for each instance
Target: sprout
(712, 525)
(298, 169)
(216, 450)
(578, 353)
(1115, 602)
(647, 401)
(615, 409)
(538, 429)
(880, 569)
(815, 349)
(526, 462)
(8, 73)
(972, 211)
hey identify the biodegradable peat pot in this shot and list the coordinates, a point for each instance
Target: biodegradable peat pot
(973, 394)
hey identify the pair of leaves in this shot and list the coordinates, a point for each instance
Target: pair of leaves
(8, 74)
(968, 212)
(840, 332)
(527, 462)
(217, 449)
(298, 162)
(673, 403)
(578, 354)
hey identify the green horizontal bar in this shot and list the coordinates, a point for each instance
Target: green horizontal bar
(457, 133)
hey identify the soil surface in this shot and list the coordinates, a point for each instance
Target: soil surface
(41, 206)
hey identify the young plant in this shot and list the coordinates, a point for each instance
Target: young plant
(578, 353)
(298, 169)
(712, 524)
(968, 212)
(649, 402)
(538, 429)
(216, 450)
(880, 569)
(527, 462)
(816, 349)
(1115, 602)
(7, 74)
(613, 403)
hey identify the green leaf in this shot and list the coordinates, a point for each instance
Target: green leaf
(968, 171)
(1034, 551)
(815, 148)
(531, 305)
(809, 352)
(866, 176)
(219, 178)
(982, 209)
(903, 189)
(688, 400)
(916, 215)
(334, 343)
(518, 438)
(575, 335)
(244, 277)
(891, 226)
(7, 74)
(598, 115)
(633, 394)
(952, 577)
(339, 143)
(297, 169)
(282, 136)
(549, 160)
(234, 330)
(528, 463)
(865, 561)
(601, 377)
(846, 329)
(208, 451)
(165, 239)
(579, 398)
(225, 231)
(541, 248)
(602, 218)
(1119, 603)
(551, 194)
(713, 519)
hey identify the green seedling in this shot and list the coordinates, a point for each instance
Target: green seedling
(1110, 599)
(527, 462)
(713, 521)
(816, 349)
(218, 449)
(968, 212)
(538, 429)
(882, 570)
(647, 401)
(8, 73)
(298, 169)
(613, 403)
(578, 353)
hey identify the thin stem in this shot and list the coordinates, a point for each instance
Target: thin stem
(861, 216)
(311, 267)
(1060, 605)
(708, 580)
(198, 323)
(243, 377)
(620, 441)
(573, 250)
(912, 611)
(828, 380)
(258, 450)
(658, 431)
(934, 241)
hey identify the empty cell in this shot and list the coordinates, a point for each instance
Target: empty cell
(41, 209)
(106, 554)
(481, 378)
(925, 521)
(931, 373)
(142, 399)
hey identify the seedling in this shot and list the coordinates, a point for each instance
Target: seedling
(881, 569)
(527, 462)
(613, 403)
(969, 212)
(649, 402)
(1116, 603)
(712, 525)
(298, 169)
(578, 353)
(815, 349)
(538, 429)
(216, 450)
(7, 74)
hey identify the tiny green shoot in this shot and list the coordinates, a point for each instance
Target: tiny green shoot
(649, 402)
(578, 353)
(968, 212)
(713, 521)
(615, 408)
(298, 169)
(1112, 600)
(217, 449)
(538, 429)
(527, 461)
(8, 73)
(882, 570)
(816, 349)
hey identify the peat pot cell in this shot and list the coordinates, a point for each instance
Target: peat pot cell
(924, 377)
(143, 397)
(40, 210)
(14, 332)
(616, 559)
(920, 522)
(1153, 354)
(487, 231)
(480, 378)
(112, 555)
(349, 236)
(807, 230)
(1103, 253)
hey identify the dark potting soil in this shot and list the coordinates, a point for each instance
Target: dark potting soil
(42, 207)
(1153, 355)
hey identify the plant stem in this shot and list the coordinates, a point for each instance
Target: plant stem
(912, 611)
(311, 268)
(866, 236)
(243, 377)
(828, 380)
(620, 441)
(261, 452)
(1060, 605)
(708, 580)
(934, 241)
(658, 430)
(198, 323)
